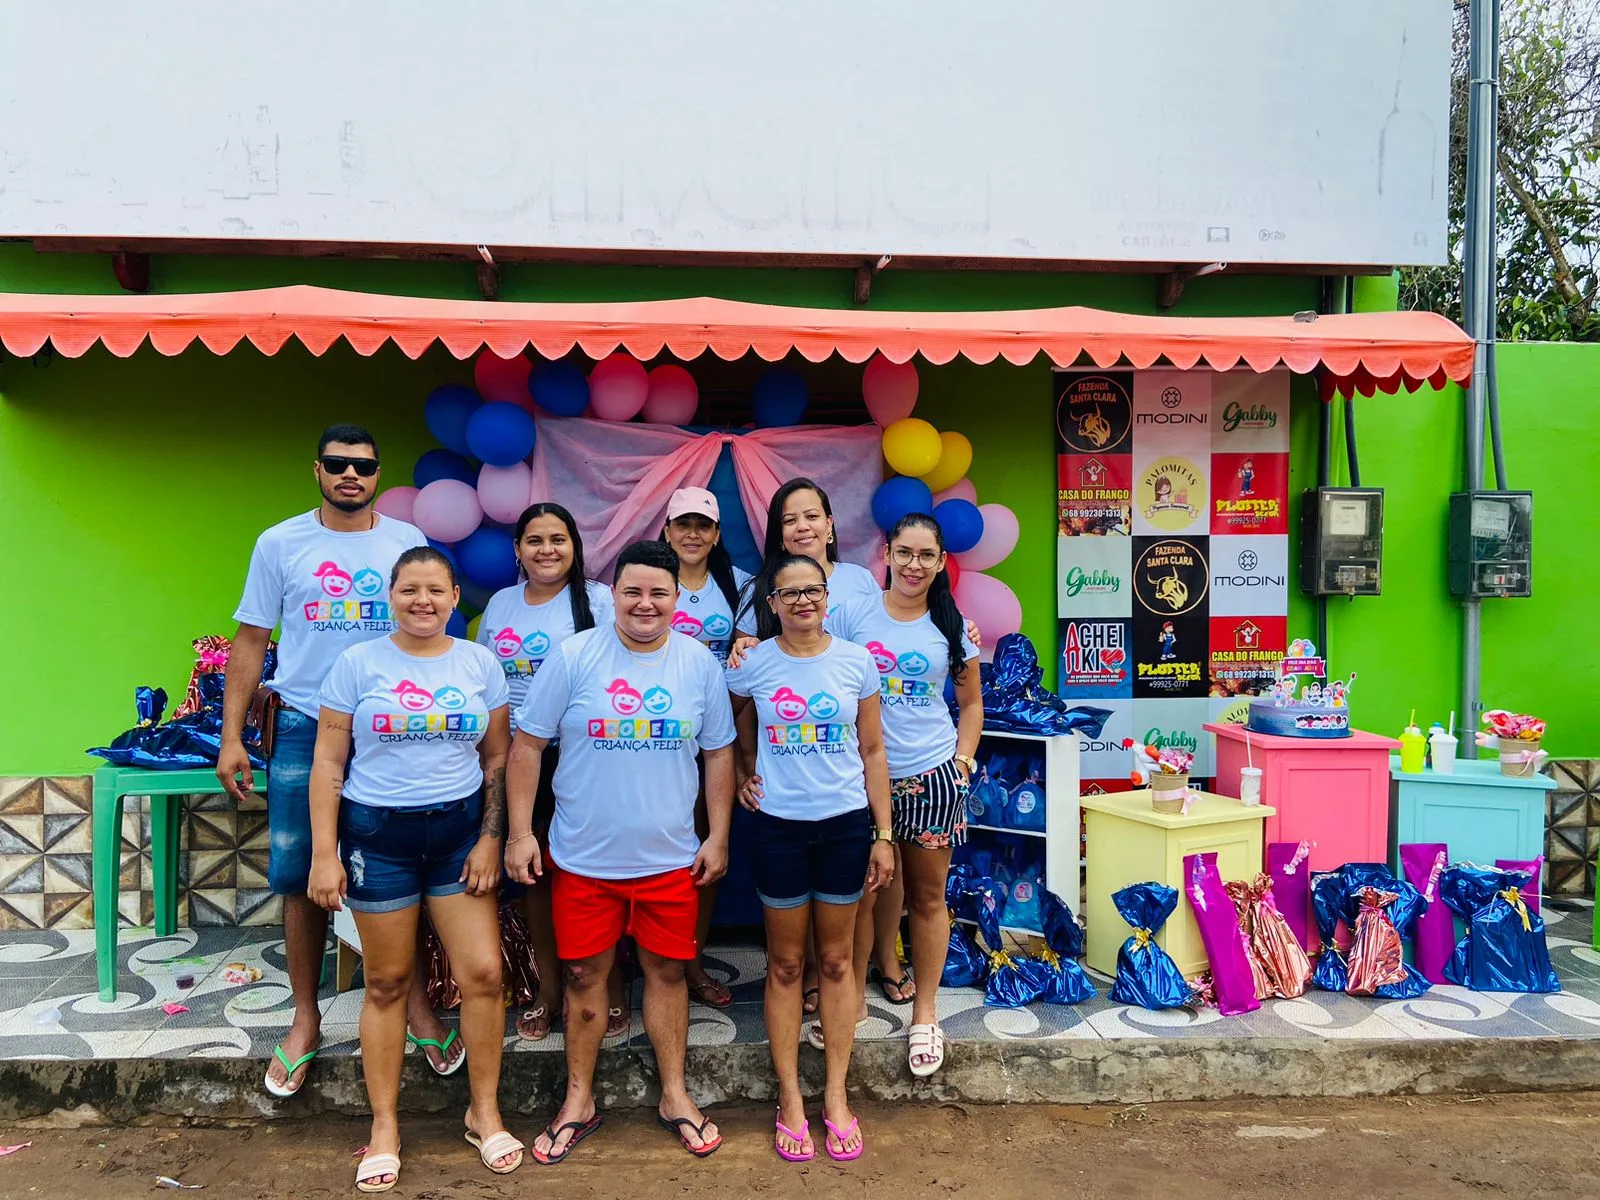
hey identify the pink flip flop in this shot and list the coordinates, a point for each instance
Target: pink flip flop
(846, 1156)
(797, 1138)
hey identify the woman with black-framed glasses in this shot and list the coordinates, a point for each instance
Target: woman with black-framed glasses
(817, 785)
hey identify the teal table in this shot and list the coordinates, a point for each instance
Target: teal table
(1480, 814)
(166, 790)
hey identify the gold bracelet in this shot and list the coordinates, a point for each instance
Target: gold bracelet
(518, 838)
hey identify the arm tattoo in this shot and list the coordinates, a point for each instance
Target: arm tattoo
(494, 804)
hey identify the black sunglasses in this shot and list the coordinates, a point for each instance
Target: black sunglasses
(338, 464)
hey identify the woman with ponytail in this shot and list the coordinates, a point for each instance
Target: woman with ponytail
(523, 624)
(917, 639)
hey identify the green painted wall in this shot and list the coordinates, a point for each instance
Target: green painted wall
(133, 488)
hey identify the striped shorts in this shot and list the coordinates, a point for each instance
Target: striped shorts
(930, 810)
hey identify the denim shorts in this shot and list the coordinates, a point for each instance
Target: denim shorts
(289, 803)
(394, 856)
(796, 862)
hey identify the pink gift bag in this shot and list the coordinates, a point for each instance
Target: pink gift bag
(1289, 864)
(1218, 919)
(1435, 936)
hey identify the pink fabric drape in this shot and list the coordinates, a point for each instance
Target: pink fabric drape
(616, 477)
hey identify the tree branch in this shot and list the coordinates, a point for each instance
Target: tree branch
(1547, 231)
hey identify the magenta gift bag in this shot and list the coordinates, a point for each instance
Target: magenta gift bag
(1218, 919)
(1435, 936)
(1533, 867)
(1289, 864)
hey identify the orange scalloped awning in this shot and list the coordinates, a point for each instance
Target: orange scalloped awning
(1409, 347)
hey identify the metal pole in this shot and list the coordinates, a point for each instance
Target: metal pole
(1478, 295)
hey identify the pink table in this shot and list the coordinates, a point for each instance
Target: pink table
(1333, 792)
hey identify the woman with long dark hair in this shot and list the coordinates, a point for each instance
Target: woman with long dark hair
(800, 521)
(709, 590)
(917, 639)
(408, 809)
(817, 785)
(523, 624)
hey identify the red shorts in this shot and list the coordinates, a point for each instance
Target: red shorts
(591, 916)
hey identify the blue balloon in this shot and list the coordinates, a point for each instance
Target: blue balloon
(500, 434)
(447, 411)
(560, 389)
(449, 552)
(779, 399)
(898, 496)
(488, 559)
(443, 464)
(961, 523)
(456, 626)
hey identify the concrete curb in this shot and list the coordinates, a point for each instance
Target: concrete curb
(1124, 1071)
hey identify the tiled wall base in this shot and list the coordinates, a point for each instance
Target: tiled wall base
(46, 859)
(46, 853)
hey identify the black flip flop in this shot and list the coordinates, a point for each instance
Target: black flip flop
(885, 983)
(584, 1129)
(674, 1125)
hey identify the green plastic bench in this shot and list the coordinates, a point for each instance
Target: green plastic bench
(166, 790)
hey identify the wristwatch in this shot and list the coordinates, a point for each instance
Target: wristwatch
(967, 761)
(883, 835)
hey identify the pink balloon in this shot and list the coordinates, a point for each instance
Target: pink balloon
(503, 379)
(890, 389)
(447, 510)
(618, 387)
(397, 502)
(504, 491)
(1000, 534)
(993, 605)
(674, 397)
(961, 489)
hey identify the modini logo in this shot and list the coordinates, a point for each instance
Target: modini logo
(1249, 575)
(1171, 398)
(1247, 560)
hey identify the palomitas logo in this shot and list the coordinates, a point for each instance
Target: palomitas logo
(1098, 582)
(1247, 416)
(1171, 739)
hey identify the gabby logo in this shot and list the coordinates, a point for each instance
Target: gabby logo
(788, 704)
(336, 581)
(413, 698)
(882, 657)
(625, 698)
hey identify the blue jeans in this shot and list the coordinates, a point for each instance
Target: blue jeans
(393, 857)
(289, 803)
(799, 861)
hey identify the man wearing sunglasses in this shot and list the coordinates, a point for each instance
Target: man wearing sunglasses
(322, 578)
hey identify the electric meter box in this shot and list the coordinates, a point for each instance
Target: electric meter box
(1491, 544)
(1341, 541)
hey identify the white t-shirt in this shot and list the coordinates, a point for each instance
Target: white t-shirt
(850, 583)
(913, 662)
(807, 751)
(706, 616)
(630, 726)
(522, 634)
(416, 721)
(329, 590)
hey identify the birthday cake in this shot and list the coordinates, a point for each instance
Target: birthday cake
(1312, 711)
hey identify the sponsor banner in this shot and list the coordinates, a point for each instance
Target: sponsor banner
(1250, 576)
(1171, 577)
(1094, 577)
(1171, 493)
(1172, 411)
(1094, 412)
(1249, 493)
(1096, 659)
(1104, 757)
(1250, 412)
(1179, 724)
(1169, 656)
(1231, 710)
(1094, 494)
(1245, 653)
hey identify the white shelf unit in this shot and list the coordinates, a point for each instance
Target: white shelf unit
(1063, 817)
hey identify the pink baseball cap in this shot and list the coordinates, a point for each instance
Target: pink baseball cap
(693, 502)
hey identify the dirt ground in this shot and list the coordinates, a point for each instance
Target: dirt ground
(1523, 1146)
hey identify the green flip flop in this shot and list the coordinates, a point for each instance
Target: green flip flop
(281, 1090)
(424, 1044)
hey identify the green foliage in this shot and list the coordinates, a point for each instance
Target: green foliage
(1548, 187)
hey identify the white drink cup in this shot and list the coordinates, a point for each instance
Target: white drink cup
(1250, 785)
(1444, 753)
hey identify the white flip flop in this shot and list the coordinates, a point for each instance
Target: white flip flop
(926, 1043)
(496, 1145)
(374, 1165)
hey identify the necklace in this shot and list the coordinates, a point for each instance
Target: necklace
(372, 521)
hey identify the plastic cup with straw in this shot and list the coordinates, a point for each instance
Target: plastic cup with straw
(1249, 775)
(1442, 744)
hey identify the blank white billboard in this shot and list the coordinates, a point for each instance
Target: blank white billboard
(1261, 131)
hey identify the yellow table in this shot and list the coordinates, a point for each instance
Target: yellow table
(1129, 842)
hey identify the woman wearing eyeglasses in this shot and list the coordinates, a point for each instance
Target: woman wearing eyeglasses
(917, 640)
(817, 785)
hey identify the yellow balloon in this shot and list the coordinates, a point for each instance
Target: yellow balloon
(472, 627)
(912, 446)
(954, 459)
